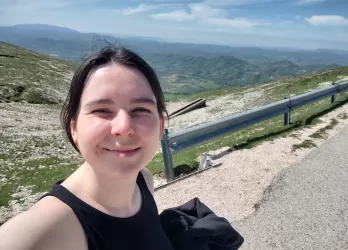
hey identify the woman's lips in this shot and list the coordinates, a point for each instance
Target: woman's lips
(124, 152)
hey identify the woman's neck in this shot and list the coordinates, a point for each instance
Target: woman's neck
(116, 195)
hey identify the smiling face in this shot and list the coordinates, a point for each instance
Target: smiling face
(117, 127)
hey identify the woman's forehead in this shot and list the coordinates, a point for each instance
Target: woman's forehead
(117, 72)
(118, 81)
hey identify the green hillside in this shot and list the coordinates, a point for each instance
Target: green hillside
(37, 78)
(32, 77)
(185, 75)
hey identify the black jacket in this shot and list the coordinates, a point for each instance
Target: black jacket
(193, 226)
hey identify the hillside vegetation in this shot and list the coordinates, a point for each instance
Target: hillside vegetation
(32, 77)
(184, 75)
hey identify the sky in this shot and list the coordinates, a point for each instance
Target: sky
(307, 24)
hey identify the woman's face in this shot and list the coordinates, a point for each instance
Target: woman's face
(117, 128)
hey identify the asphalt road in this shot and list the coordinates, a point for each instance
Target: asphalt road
(306, 207)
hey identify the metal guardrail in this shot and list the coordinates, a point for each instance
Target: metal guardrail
(183, 139)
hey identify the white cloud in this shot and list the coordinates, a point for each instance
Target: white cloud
(234, 2)
(304, 2)
(196, 11)
(236, 22)
(145, 8)
(210, 15)
(327, 20)
(205, 11)
(178, 15)
(229, 2)
(140, 8)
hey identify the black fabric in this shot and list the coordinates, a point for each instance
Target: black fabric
(193, 226)
(104, 232)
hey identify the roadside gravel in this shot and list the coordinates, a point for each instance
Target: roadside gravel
(234, 189)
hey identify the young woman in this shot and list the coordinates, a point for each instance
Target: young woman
(114, 116)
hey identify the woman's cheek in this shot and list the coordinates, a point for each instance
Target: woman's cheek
(95, 128)
(146, 123)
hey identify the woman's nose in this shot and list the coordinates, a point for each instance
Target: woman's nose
(122, 125)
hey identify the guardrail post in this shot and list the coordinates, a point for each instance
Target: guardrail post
(287, 115)
(167, 157)
(333, 99)
(286, 118)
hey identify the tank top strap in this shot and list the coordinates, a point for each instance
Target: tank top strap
(65, 196)
(141, 181)
(62, 194)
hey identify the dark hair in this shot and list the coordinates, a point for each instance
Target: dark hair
(105, 56)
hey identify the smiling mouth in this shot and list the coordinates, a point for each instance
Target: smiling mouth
(124, 151)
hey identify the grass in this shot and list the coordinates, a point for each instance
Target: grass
(38, 173)
(343, 116)
(251, 136)
(24, 168)
(304, 144)
(321, 133)
(276, 90)
(25, 74)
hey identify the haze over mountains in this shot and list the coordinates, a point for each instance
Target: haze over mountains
(183, 68)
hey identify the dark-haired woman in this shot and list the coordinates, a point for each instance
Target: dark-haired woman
(114, 116)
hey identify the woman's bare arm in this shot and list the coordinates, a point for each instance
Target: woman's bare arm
(24, 231)
(47, 225)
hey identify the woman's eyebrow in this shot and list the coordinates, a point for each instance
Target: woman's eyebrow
(133, 101)
(144, 100)
(99, 101)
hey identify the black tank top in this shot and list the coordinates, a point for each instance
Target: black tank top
(104, 232)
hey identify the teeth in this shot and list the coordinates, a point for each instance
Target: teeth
(130, 150)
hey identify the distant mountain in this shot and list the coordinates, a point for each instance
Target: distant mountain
(36, 78)
(183, 68)
(333, 51)
(74, 44)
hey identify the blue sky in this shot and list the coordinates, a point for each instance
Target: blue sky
(305, 24)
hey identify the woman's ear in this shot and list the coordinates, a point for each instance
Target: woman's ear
(73, 131)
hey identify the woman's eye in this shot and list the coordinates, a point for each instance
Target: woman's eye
(101, 111)
(137, 110)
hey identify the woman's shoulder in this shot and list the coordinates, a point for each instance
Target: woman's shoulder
(47, 223)
(148, 179)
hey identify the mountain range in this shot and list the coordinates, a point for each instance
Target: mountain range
(183, 68)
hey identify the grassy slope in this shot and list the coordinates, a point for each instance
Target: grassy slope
(268, 129)
(36, 78)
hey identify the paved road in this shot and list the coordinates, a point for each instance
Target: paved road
(307, 205)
